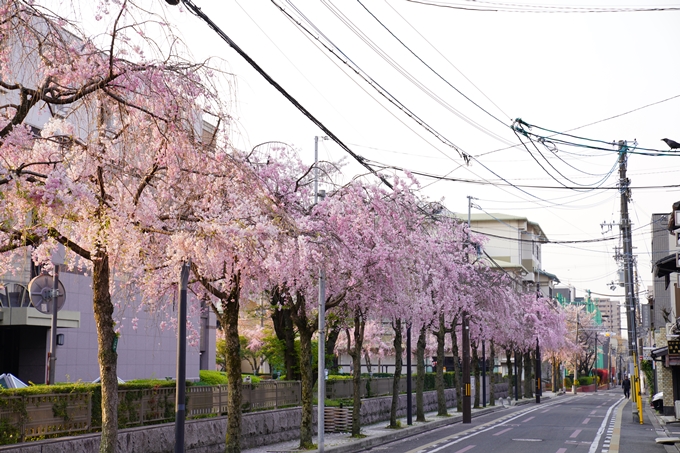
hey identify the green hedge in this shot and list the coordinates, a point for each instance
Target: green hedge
(585, 380)
(211, 377)
(430, 379)
(339, 377)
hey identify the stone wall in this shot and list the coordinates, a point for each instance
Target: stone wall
(207, 435)
(375, 410)
(201, 436)
(664, 376)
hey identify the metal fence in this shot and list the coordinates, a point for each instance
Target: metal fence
(47, 415)
(340, 389)
(344, 388)
(212, 400)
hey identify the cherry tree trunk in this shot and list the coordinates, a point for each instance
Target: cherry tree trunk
(398, 351)
(233, 365)
(528, 387)
(476, 372)
(457, 372)
(108, 358)
(557, 384)
(439, 377)
(306, 423)
(285, 331)
(420, 377)
(333, 330)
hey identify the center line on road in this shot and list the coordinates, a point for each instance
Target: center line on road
(543, 412)
(530, 418)
(585, 422)
(501, 432)
(465, 435)
(575, 433)
(561, 450)
(593, 412)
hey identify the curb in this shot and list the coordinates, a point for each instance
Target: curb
(369, 442)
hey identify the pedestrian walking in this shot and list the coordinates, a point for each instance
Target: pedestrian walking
(626, 387)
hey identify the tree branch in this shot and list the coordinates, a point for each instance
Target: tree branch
(69, 244)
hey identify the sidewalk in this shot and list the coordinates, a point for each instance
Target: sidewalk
(378, 433)
(664, 427)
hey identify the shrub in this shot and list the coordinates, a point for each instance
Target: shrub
(568, 383)
(339, 377)
(380, 375)
(585, 380)
(577, 382)
(449, 379)
(212, 377)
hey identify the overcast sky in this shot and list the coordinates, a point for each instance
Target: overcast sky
(559, 66)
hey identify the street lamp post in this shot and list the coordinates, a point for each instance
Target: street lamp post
(321, 359)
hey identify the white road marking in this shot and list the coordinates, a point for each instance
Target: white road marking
(595, 443)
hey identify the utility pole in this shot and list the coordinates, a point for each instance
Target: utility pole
(537, 365)
(596, 359)
(321, 358)
(409, 375)
(483, 373)
(180, 383)
(467, 388)
(629, 281)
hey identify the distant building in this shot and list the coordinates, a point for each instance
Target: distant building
(514, 245)
(145, 352)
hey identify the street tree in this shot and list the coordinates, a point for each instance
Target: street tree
(91, 139)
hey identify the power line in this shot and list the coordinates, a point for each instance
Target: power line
(524, 128)
(625, 113)
(584, 187)
(339, 54)
(436, 49)
(547, 241)
(482, 6)
(428, 66)
(197, 12)
(507, 183)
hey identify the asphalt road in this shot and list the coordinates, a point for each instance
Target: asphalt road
(599, 422)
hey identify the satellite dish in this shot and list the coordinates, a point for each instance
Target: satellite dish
(40, 292)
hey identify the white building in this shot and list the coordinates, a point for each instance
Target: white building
(514, 245)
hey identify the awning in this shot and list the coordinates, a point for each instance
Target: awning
(665, 267)
(658, 353)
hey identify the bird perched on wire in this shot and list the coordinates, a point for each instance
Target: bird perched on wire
(671, 143)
